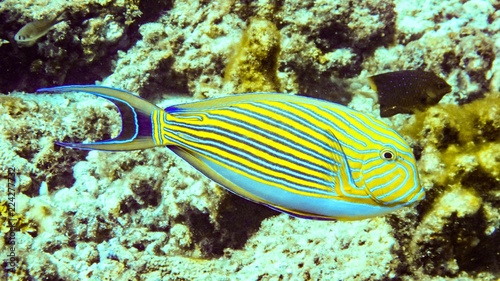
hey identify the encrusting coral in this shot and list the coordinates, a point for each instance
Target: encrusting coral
(254, 65)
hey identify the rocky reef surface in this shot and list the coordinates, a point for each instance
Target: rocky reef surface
(147, 215)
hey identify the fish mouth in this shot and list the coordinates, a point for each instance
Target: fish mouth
(416, 198)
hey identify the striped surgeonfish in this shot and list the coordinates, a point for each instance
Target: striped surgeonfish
(306, 157)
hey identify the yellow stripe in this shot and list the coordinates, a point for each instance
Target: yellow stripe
(158, 127)
(243, 161)
(252, 165)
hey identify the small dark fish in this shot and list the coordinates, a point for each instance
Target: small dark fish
(407, 91)
(31, 32)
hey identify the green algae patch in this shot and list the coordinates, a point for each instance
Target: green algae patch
(253, 67)
(465, 138)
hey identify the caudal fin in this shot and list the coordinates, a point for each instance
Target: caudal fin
(136, 132)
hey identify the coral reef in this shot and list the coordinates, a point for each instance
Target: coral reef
(327, 40)
(450, 38)
(191, 59)
(147, 215)
(460, 163)
(79, 49)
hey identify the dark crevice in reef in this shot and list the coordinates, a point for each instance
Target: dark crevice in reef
(450, 136)
(462, 239)
(237, 220)
(484, 184)
(431, 196)
(325, 88)
(449, 62)
(164, 80)
(417, 150)
(338, 34)
(402, 230)
(56, 170)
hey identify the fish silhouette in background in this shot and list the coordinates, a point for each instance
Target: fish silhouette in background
(407, 91)
(303, 156)
(32, 31)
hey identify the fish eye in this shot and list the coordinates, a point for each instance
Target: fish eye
(388, 154)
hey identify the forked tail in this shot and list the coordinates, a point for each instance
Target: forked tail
(136, 132)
